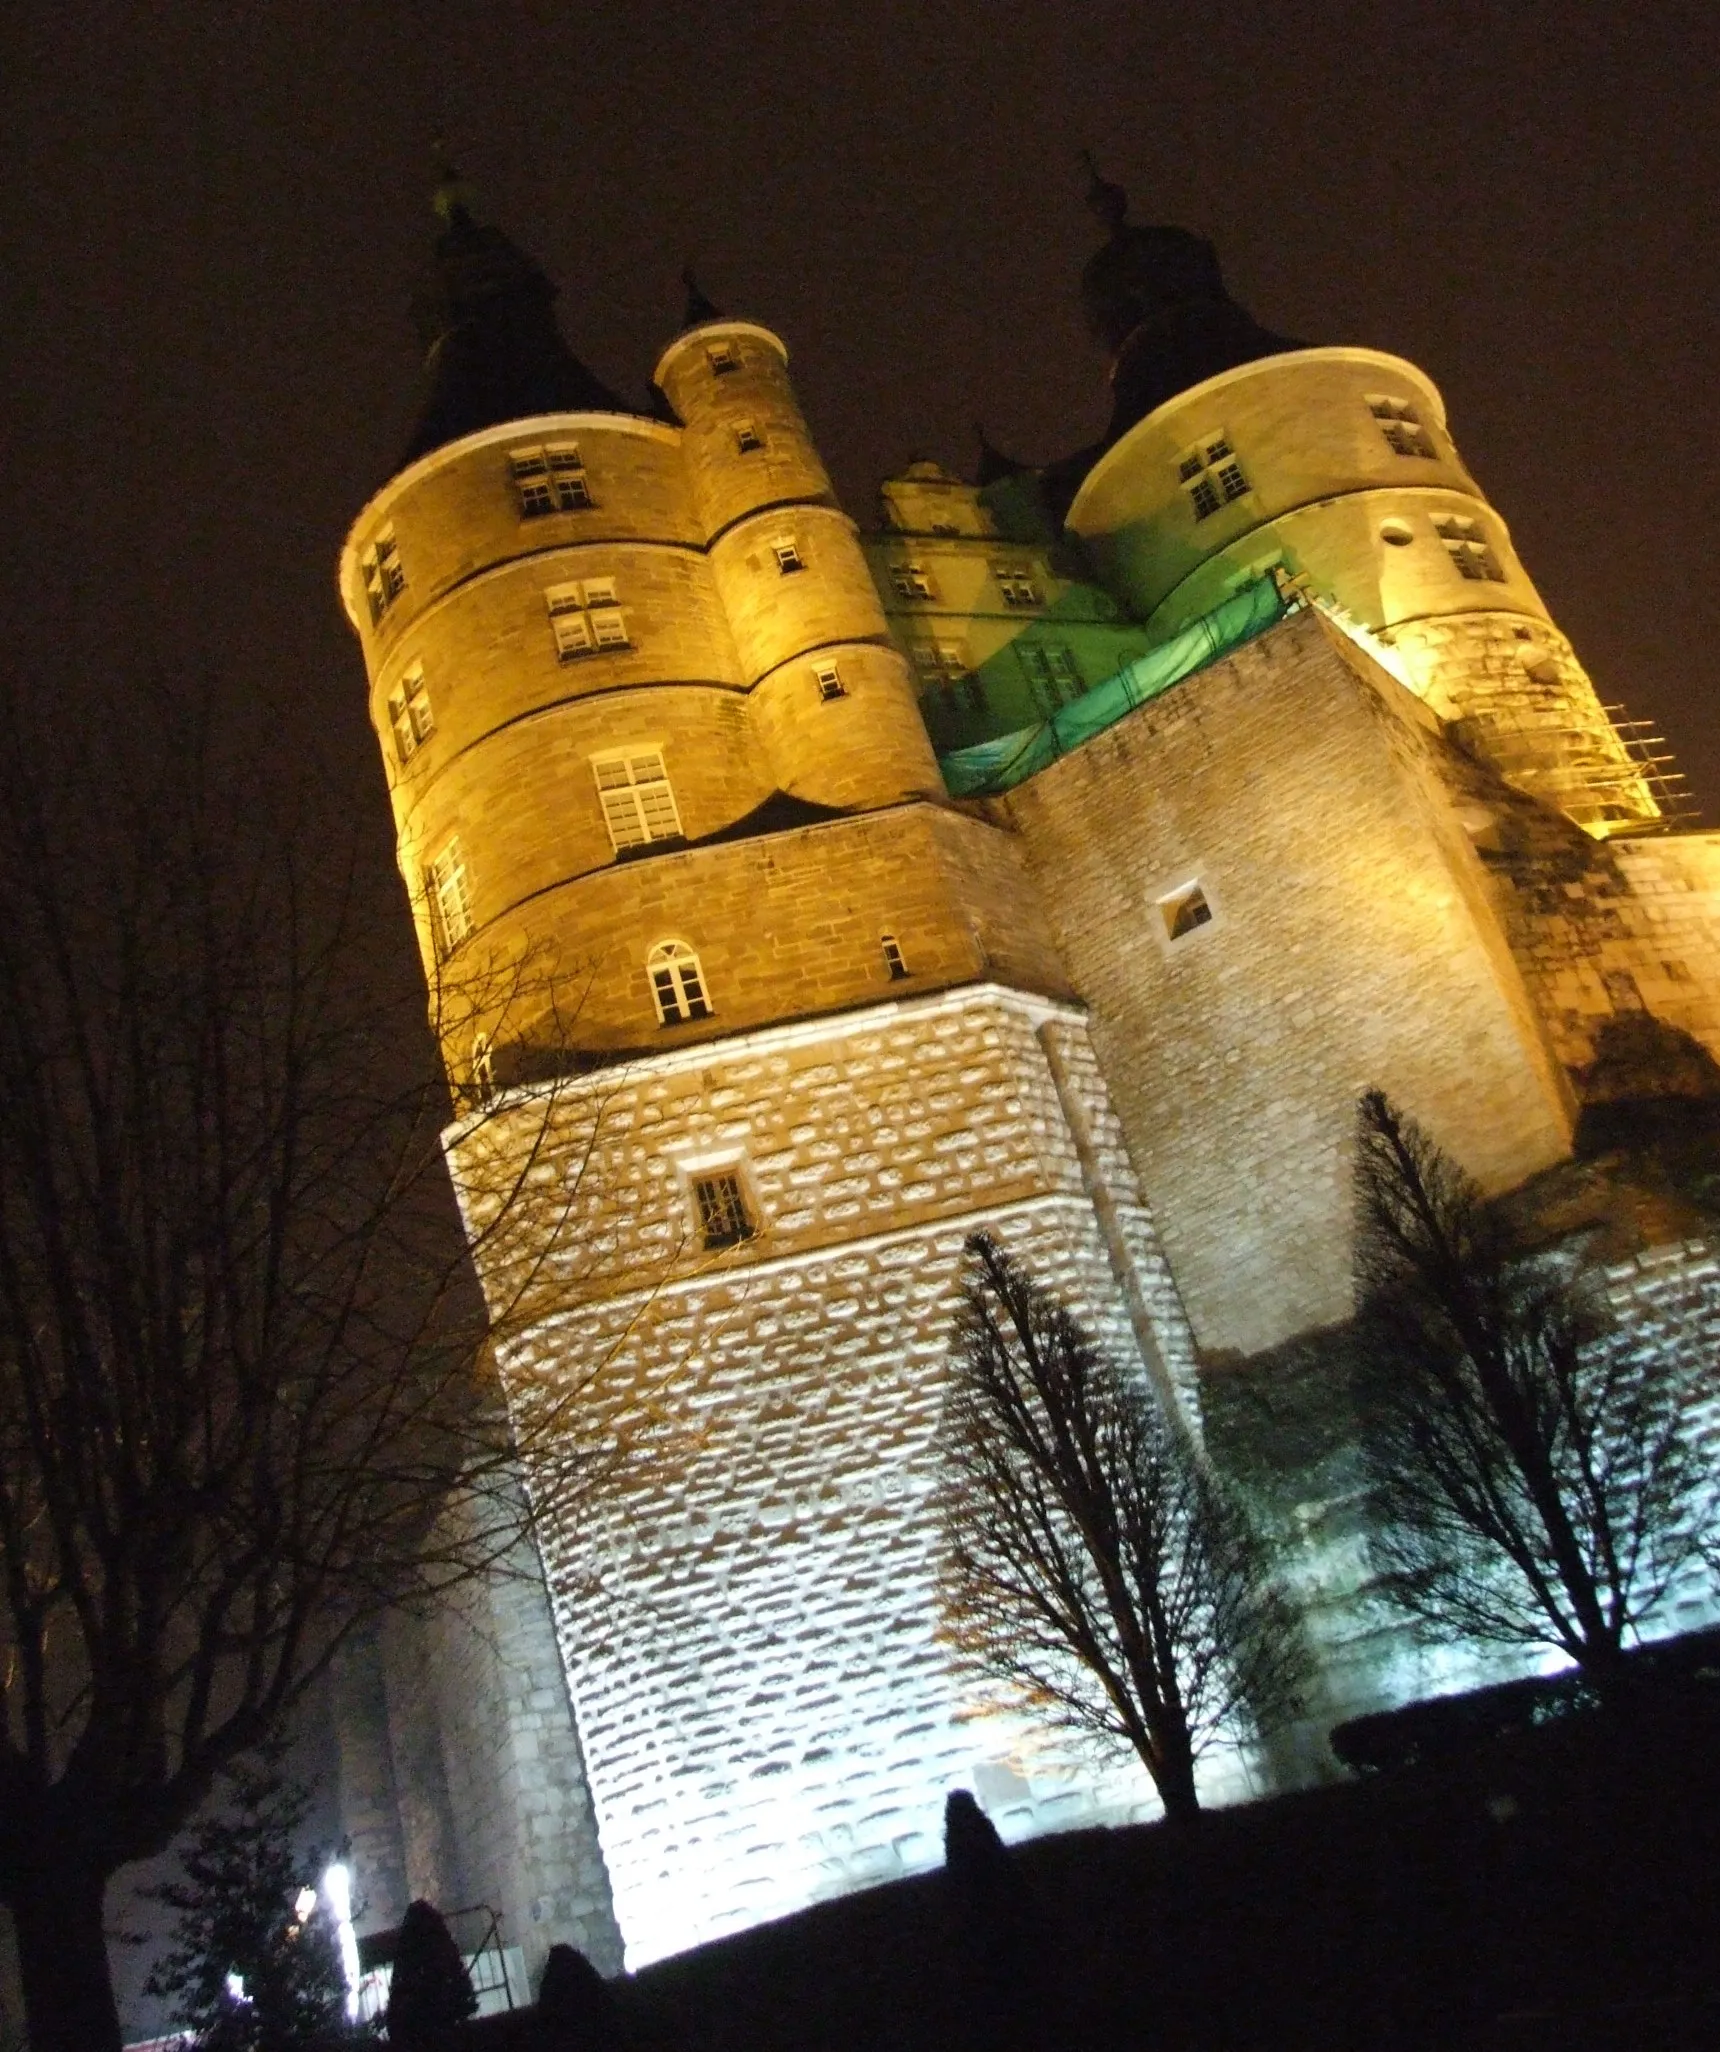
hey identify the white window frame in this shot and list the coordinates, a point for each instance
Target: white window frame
(448, 886)
(410, 713)
(584, 619)
(909, 581)
(636, 797)
(748, 440)
(828, 678)
(549, 477)
(1018, 585)
(894, 960)
(384, 579)
(789, 560)
(723, 358)
(1211, 475)
(677, 981)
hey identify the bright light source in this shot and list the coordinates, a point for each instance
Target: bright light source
(236, 1988)
(304, 1903)
(337, 1893)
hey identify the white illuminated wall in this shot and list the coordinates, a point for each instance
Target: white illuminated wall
(749, 1614)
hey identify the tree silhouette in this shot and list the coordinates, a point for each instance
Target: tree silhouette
(1535, 1481)
(1100, 1570)
(240, 1347)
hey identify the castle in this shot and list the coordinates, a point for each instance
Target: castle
(1066, 858)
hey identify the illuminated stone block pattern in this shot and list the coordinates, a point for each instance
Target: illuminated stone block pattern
(749, 1607)
(1351, 945)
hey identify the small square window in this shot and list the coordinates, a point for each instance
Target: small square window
(1016, 585)
(894, 960)
(747, 438)
(550, 479)
(1184, 911)
(722, 358)
(788, 557)
(721, 1205)
(830, 683)
(909, 581)
(1401, 426)
(1213, 476)
(1467, 546)
(584, 618)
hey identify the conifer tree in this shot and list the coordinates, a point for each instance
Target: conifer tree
(430, 1994)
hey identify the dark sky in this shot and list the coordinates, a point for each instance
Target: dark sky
(213, 218)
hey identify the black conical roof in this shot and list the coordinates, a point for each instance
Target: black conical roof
(493, 350)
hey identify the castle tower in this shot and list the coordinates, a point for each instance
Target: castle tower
(760, 1027)
(1233, 451)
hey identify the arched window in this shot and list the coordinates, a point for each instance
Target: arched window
(677, 983)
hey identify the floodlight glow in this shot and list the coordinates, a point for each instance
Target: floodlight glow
(337, 1893)
(303, 1904)
(236, 1988)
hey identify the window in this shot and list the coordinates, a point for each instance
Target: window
(722, 358)
(450, 899)
(910, 581)
(894, 960)
(1017, 585)
(584, 618)
(721, 1205)
(1052, 673)
(1466, 545)
(638, 803)
(1184, 911)
(788, 556)
(1401, 426)
(384, 580)
(1212, 476)
(550, 479)
(943, 668)
(747, 438)
(677, 983)
(830, 683)
(409, 713)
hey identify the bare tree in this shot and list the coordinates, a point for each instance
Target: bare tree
(241, 1363)
(1535, 1480)
(1100, 1570)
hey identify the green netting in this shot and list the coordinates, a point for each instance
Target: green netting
(1012, 758)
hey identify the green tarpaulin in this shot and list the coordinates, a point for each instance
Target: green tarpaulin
(1012, 758)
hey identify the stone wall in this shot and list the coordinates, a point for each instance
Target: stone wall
(1351, 944)
(746, 1585)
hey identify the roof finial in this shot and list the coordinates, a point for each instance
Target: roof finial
(699, 308)
(1110, 203)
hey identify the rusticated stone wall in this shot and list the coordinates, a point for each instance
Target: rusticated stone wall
(748, 1601)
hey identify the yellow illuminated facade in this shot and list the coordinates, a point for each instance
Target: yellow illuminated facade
(776, 1023)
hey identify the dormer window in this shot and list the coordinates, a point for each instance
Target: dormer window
(384, 580)
(1212, 476)
(549, 479)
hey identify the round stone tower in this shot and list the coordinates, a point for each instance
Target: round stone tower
(750, 1028)
(1241, 452)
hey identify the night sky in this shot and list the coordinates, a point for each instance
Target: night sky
(214, 218)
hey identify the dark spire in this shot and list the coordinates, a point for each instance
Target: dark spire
(699, 309)
(1155, 297)
(994, 465)
(492, 349)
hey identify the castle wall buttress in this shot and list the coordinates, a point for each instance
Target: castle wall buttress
(748, 1599)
